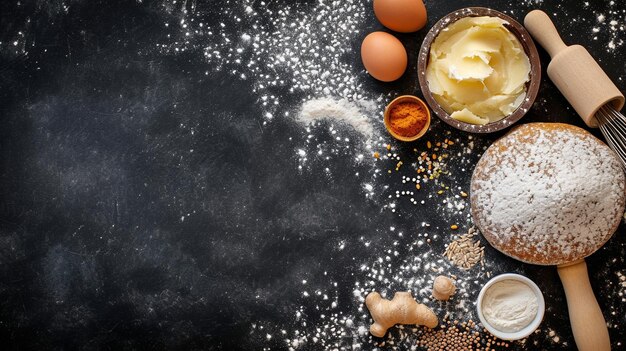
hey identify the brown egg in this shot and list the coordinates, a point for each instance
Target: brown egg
(403, 16)
(384, 56)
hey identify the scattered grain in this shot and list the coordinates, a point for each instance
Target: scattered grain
(465, 252)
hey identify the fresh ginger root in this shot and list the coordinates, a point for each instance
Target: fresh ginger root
(402, 309)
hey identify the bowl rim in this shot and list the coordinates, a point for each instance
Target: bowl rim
(399, 99)
(532, 86)
(532, 326)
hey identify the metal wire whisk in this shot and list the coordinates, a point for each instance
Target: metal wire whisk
(613, 127)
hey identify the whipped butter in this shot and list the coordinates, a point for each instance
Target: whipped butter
(478, 70)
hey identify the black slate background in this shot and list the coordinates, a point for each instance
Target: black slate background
(96, 172)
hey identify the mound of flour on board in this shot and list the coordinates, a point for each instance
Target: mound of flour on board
(548, 193)
(352, 114)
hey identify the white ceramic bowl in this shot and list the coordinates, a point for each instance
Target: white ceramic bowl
(530, 327)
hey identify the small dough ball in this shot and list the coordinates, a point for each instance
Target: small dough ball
(443, 288)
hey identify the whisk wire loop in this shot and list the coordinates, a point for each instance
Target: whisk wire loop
(613, 127)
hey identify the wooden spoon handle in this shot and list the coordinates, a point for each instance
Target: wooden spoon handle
(543, 30)
(588, 324)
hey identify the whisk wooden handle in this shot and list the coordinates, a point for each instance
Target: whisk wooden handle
(577, 75)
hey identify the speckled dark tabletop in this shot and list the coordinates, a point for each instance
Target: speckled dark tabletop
(147, 202)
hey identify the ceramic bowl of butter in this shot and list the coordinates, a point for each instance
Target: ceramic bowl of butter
(479, 70)
(510, 306)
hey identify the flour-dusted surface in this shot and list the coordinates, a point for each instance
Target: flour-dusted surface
(158, 192)
(548, 193)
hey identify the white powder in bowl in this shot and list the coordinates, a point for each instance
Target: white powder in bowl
(509, 305)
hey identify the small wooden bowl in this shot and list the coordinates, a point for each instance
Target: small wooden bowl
(406, 98)
(532, 86)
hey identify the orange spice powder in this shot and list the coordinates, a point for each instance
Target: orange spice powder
(407, 118)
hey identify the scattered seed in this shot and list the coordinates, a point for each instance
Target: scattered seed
(452, 335)
(465, 252)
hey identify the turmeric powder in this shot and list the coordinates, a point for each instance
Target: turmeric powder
(407, 118)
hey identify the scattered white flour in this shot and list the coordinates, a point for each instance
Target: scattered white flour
(288, 51)
(509, 305)
(621, 282)
(353, 114)
(603, 21)
(608, 25)
(554, 337)
(294, 53)
(566, 204)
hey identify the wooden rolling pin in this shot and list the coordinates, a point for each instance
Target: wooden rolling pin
(585, 85)
(572, 69)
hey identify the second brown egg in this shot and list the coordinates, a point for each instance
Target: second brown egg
(403, 16)
(384, 56)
